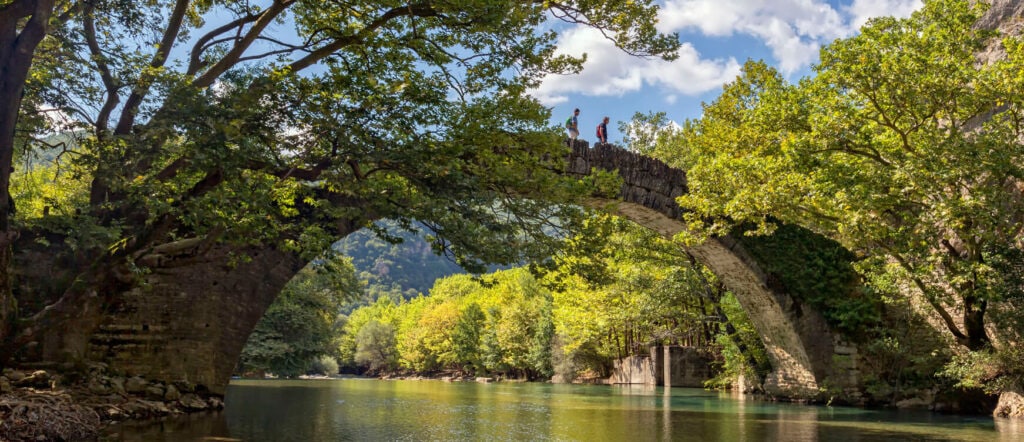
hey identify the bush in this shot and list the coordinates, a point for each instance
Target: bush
(325, 365)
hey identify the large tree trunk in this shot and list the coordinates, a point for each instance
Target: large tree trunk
(974, 324)
(17, 47)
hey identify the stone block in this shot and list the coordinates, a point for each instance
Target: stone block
(135, 384)
(193, 402)
(172, 393)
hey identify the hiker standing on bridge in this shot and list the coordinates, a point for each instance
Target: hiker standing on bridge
(602, 131)
(572, 125)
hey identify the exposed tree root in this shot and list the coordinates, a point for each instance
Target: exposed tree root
(34, 415)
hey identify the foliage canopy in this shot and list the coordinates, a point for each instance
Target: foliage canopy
(903, 147)
(288, 123)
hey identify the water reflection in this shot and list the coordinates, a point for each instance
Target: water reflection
(210, 426)
(355, 409)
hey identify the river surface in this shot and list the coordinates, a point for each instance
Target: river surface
(376, 410)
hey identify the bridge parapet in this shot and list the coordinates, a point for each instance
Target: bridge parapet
(646, 181)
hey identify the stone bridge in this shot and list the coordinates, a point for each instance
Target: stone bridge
(801, 347)
(193, 316)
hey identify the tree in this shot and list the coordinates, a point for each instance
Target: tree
(376, 346)
(301, 325)
(381, 311)
(466, 339)
(23, 25)
(257, 139)
(642, 132)
(902, 147)
(619, 288)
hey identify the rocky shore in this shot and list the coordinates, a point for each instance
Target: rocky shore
(42, 405)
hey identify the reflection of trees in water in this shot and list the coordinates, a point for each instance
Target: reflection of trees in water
(212, 424)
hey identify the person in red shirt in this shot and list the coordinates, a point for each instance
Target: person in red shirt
(602, 131)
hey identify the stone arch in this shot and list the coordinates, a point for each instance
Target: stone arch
(799, 343)
(193, 315)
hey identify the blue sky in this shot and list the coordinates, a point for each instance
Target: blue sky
(717, 36)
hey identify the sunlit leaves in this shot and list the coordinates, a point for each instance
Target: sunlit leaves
(495, 327)
(902, 145)
(412, 112)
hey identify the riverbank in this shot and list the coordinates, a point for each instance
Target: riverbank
(44, 405)
(273, 410)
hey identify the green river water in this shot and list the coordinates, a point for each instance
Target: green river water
(376, 410)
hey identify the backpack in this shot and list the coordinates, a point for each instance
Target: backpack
(568, 123)
(598, 132)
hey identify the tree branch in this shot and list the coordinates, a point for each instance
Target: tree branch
(946, 318)
(17, 9)
(131, 106)
(89, 27)
(416, 10)
(232, 57)
(195, 60)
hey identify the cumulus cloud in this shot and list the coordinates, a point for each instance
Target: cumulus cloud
(791, 30)
(861, 10)
(611, 72)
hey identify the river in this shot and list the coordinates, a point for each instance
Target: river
(376, 410)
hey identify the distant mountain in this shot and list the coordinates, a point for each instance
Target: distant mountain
(409, 267)
(45, 151)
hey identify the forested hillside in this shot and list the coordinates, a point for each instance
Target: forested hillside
(401, 263)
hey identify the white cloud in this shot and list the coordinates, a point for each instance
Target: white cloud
(791, 51)
(610, 72)
(713, 18)
(792, 30)
(861, 10)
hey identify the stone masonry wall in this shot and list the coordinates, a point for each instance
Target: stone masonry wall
(191, 321)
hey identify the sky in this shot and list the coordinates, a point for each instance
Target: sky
(717, 37)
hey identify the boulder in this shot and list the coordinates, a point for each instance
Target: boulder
(157, 408)
(184, 386)
(14, 375)
(914, 403)
(115, 413)
(135, 384)
(155, 392)
(117, 385)
(172, 393)
(98, 387)
(1011, 404)
(193, 402)
(135, 409)
(215, 402)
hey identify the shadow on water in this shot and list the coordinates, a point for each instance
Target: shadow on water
(211, 426)
(354, 409)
